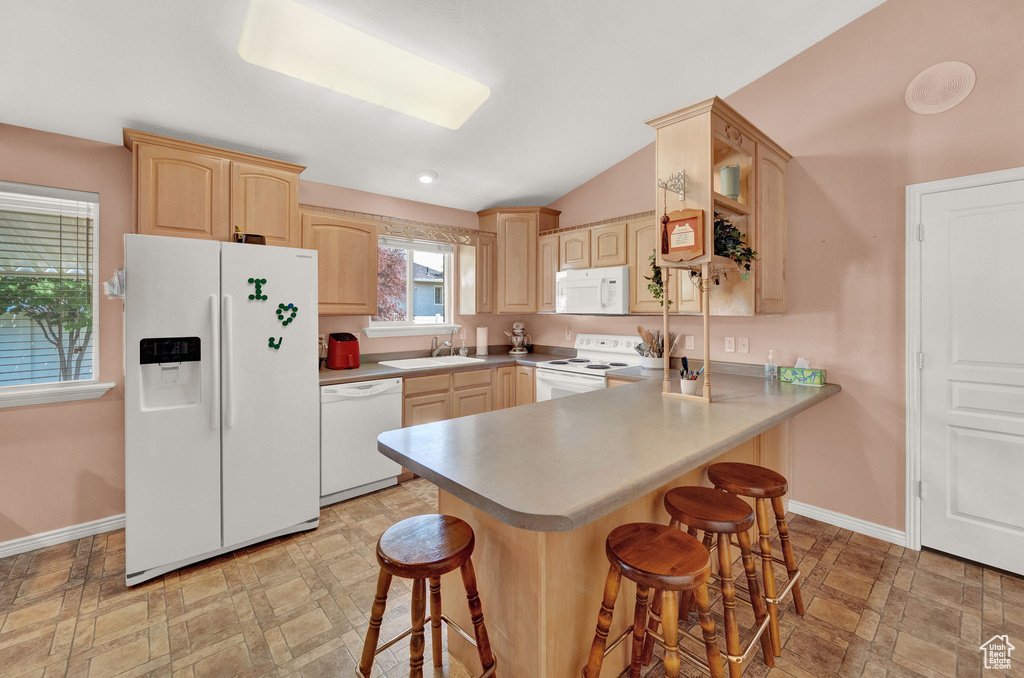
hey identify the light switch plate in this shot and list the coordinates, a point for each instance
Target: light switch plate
(689, 341)
(730, 344)
(744, 345)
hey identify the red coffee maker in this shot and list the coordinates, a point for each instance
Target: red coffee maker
(342, 351)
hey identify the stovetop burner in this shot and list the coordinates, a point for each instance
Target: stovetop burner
(559, 362)
(599, 367)
(579, 360)
(619, 364)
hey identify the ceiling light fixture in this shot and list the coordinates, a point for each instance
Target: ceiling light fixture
(286, 37)
(427, 176)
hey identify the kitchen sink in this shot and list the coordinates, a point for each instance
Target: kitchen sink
(423, 363)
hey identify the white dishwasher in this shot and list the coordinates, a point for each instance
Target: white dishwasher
(351, 418)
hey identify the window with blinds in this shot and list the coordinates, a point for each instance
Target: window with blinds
(47, 289)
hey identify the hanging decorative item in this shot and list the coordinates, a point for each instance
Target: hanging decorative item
(282, 309)
(259, 283)
(271, 344)
(675, 183)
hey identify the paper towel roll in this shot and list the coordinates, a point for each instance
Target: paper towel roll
(481, 340)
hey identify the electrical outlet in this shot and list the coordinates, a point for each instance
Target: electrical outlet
(462, 334)
(744, 345)
(568, 333)
(689, 341)
(730, 344)
(323, 344)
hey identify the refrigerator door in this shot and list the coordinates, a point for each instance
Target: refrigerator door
(271, 443)
(172, 404)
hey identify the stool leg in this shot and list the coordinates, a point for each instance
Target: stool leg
(787, 553)
(419, 605)
(768, 571)
(686, 598)
(652, 625)
(707, 627)
(732, 633)
(435, 620)
(476, 612)
(639, 631)
(671, 633)
(380, 601)
(756, 601)
(604, 622)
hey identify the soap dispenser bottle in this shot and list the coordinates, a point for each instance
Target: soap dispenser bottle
(771, 370)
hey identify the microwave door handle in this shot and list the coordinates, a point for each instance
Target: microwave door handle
(603, 293)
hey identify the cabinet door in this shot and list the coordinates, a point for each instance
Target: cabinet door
(770, 238)
(424, 409)
(182, 194)
(643, 237)
(265, 201)
(347, 253)
(517, 263)
(547, 267)
(526, 385)
(485, 274)
(608, 245)
(471, 401)
(574, 249)
(504, 387)
(686, 294)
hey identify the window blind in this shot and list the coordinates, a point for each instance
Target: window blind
(47, 288)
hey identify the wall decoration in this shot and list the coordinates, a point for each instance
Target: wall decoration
(258, 282)
(282, 309)
(271, 344)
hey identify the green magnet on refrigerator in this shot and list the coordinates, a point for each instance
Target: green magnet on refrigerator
(289, 308)
(258, 295)
(271, 344)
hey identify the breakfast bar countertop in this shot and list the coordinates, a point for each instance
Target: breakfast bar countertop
(557, 465)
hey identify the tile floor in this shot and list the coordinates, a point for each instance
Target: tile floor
(298, 606)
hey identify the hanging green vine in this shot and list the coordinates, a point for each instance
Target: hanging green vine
(731, 243)
(656, 286)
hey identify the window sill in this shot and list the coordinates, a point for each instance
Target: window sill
(51, 393)
(410, 330)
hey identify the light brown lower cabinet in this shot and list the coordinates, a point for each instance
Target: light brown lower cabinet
(472, 392)
(526, 385)
(505, 387)
(425, 409)
(612, 381)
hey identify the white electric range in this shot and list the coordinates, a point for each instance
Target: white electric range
(596, 356)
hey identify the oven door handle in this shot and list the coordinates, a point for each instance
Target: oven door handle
(562, 378)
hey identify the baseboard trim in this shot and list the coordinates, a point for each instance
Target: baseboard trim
(889, 534)
(64, 534)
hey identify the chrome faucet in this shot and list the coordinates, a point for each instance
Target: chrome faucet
(435, 349)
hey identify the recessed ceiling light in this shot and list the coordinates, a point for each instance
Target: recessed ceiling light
(286, 37)
(427, 176)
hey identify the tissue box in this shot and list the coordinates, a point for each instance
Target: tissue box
(802, 375)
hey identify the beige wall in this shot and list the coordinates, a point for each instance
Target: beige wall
(838, 108)
(63, 464)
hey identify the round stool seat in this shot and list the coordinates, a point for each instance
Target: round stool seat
(425, 546)
(658, 556)
(709, 510)
(748, 480)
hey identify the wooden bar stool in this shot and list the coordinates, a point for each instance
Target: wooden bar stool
(422, 548)
(719, 515)
(669, 561)
(764, 485)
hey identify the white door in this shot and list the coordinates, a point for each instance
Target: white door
(972, 382)
(271, 412)
(171, 407)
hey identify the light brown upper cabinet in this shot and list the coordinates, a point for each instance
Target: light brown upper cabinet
(547, 267)
(574, 249)
(476, 276)
(347, 261)
(189, 190)
(608, 245)
(517, 229)
(701, 140)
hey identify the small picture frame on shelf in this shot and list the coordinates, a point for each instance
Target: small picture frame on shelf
(682, 235)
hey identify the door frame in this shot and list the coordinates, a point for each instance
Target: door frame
(914, 237)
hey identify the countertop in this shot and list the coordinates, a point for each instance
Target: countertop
(374, 370)
(557, 465)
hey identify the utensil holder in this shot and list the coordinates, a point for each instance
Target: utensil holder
(649, 363)
(692, 386)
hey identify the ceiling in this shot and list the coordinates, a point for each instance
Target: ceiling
(571, 83)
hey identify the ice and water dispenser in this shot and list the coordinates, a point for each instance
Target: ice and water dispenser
(171, 370)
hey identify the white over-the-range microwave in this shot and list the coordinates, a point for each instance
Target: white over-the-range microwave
(598, 291)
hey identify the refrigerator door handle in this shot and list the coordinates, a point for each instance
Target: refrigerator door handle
(214, 325)
(228, 368)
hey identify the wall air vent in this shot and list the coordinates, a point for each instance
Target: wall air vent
(940, 87)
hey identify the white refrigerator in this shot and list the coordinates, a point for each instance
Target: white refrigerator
(221, 399)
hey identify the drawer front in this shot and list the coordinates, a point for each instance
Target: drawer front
(472, 378)
(437, 383)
